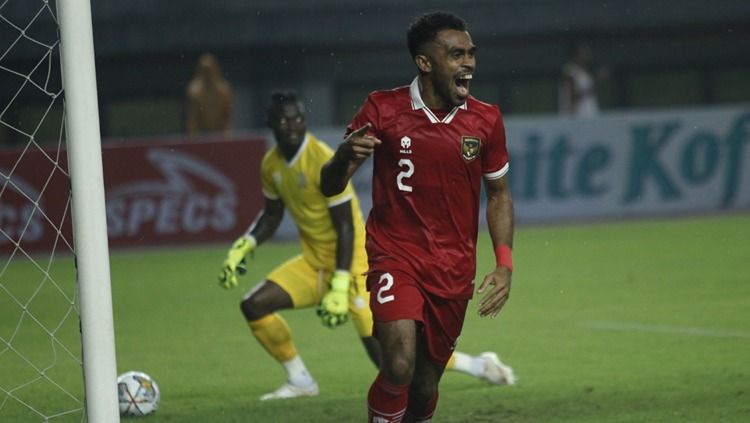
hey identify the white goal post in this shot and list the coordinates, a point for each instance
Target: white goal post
(57, 343)
(89, 218)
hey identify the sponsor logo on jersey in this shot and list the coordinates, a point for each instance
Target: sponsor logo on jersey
(469, 148)
(405, 145)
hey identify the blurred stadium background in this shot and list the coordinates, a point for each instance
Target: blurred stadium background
(662, 53)
(670, 139)
(673, 140)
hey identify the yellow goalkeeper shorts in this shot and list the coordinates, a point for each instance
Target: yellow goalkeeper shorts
(307, 285)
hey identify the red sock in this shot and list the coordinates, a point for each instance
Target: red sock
(386, 402)
(423, 413)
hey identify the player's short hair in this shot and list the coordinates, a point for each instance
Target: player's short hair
(425, 28)
(279, 98)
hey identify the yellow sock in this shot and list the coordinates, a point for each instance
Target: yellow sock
(451, 362)
(275, 336)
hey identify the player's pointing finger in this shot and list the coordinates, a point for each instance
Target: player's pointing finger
(361, 131)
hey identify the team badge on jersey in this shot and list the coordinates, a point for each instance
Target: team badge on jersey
(469, 148)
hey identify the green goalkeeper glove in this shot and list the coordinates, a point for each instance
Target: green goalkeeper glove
(235, 261)
(334, 308)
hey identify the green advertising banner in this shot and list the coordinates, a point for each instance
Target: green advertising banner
(630, 165)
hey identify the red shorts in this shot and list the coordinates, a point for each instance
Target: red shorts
(397, 295)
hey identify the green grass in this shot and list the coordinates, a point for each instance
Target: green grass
(625, 322)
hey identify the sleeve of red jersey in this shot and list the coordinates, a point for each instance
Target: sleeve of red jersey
(495, 158)
(367, 114)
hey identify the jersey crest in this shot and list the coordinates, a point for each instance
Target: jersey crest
(469, 148)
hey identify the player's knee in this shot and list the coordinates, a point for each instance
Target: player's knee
(253, 309)
(399, 369)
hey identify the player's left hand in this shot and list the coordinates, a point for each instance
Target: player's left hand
(235, 263)
(498, 283)
(334, 308)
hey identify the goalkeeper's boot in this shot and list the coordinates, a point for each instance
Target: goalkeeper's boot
(495, 372)
(287, 390)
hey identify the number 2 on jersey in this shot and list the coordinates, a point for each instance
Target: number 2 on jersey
(384, 287)
(407, 171)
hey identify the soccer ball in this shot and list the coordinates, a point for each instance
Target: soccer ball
(137, 393)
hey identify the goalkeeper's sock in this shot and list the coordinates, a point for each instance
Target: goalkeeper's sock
(297, 373)
(275, 336)
(451, 364)
(386, 402)
(465, 363)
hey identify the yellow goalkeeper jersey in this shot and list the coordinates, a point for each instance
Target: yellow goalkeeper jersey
(297, 184)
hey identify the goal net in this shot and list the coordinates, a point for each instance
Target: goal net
(55, 299)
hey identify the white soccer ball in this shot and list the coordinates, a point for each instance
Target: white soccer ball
(138, 394)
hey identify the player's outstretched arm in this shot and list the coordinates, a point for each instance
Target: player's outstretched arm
(500, 224)
(350, 154)
(260, 230)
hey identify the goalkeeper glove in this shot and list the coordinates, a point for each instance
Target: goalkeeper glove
(235, 261)
(334, 308)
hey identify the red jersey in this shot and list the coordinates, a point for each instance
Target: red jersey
(426, 186)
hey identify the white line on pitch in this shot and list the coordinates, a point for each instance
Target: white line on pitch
(677, 330)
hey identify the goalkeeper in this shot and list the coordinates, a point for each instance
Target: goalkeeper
(329, 272)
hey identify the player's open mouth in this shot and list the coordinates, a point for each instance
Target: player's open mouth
(462, 84)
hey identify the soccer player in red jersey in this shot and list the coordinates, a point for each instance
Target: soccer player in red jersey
(432, 145)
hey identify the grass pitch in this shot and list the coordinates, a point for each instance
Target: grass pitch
(625, 322)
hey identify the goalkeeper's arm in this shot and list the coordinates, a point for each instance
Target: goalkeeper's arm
(341, 216)
(268, 221)
(263, 228)
(334, 307)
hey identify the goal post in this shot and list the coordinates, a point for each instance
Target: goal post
(57, 346)
(88, 210)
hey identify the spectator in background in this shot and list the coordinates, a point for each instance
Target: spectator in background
(209, 99)
(578, 84)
